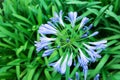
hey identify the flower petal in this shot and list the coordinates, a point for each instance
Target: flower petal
(83, 60)
(85, 71)
(47, 52)
(93, 55)
(40, 45)
(72, 16)
(58, 18)
(46, 39)
(90, 26)
(89, 47)
(77, 76)
(56, 65)
(98, 42)
(70, 60)
(97, 77)
(47, 29)
(63, 66)
(83, 22)
(94, 34)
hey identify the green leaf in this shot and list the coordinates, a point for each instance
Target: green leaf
(77, 2)
(100, 14)
(39, 16)
(114, 37)
(100, 65)
(18, 72)
(31, 49)
(22, 18)
(112, 14)
(30, 73)
(10, 34)
(47, 74)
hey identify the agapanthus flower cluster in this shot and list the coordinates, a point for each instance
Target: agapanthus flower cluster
(74, 38)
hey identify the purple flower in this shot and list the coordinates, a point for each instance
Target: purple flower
(58, 18)
(46, 39)
(40, 45)
(70, 60)
(90, 26)
(101, 46)
(93, 55)
(77, 76)
(87, 27)
(72, 17)
(47, 29)
(97, 77)
(63, 66)
(85, 71)
(89, 47)
(94, 34)
(47, 52)
(84, 35)
(51, 24)
(64, 38)
(98, 42)
(56, 65)
(83, 22)
(94, 49)
(83, 60)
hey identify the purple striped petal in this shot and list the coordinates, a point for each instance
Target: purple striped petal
(40, 45)
(58, 18)
(94, 34)
(93, 55)
(47, 52)
(46, 39)
(63, 66)
(83, 60)
(70, 60)
(98, 42)
(72, 16)
(47, 29)
(56, 65)
(83, 22)
(90, 26)
(85, 71)
(51, 24)
(101, 46)
(89, 47)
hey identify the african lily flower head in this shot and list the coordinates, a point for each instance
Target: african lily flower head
(72, 42)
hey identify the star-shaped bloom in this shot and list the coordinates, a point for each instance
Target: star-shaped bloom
(72, 43)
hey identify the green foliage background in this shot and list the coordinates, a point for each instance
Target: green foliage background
(20, 20)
